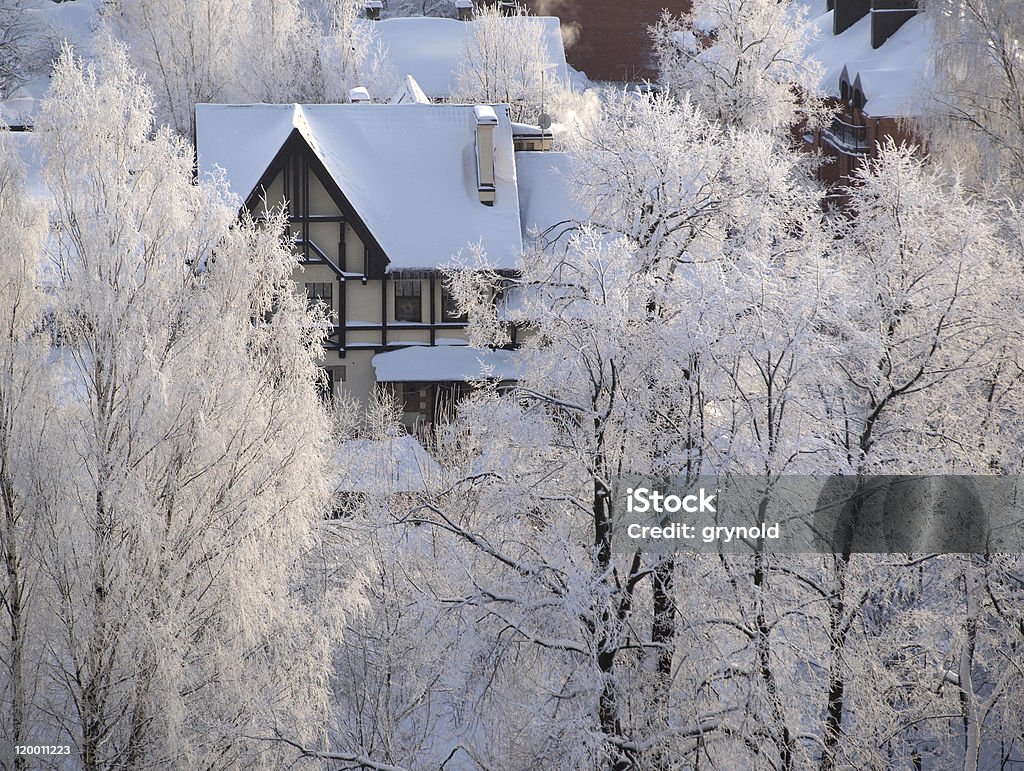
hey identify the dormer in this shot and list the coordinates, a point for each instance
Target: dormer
(857, 97)
(845, 88)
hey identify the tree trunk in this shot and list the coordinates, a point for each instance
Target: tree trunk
(14, 601)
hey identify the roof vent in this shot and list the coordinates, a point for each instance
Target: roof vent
(372, 9)
(486, 120)
(359, 95)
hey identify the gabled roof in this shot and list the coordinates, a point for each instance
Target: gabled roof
(407, 170)
(430, 48)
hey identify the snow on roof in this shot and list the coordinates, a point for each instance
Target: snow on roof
(441, 364)
(409, 93)
(892, 75)
(409, 170)
(429, 48)
(396, 464)
(49, 23)
(545, 198)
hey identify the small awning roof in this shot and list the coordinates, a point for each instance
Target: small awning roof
(444, 364)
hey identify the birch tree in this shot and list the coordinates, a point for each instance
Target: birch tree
(194, 469)
(973, 116)
(921, 328)
(25, 431)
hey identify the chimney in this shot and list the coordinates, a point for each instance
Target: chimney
(887, 16)
(486, 120)
(359, 95)
(464, 9)
(372, 9)
(847, 13)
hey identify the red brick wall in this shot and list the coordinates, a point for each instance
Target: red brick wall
(607, 39)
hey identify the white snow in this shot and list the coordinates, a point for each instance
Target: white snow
(429, 49)
(485, 115)
(409, 170)
(544, 195)
(359, 94)
(395, 464)
(893, 76)
(449, 363)
(409, 93)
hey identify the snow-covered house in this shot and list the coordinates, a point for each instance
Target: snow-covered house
(380, 198)
(875, 55)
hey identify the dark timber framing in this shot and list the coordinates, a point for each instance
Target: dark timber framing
(294, 162)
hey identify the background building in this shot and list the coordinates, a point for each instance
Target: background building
(607, 39)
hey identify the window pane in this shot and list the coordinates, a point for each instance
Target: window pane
(408, 306)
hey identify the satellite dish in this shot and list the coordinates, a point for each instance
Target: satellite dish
(544, 121)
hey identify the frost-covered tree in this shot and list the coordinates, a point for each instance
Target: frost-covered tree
(920, 330)
(504, 61)
(189, 51)
(280, 58)
(24, 433)
(441, 8)
(663, 340)
(743, 61)
(189, 474)
(925, 321)
(24, 51)
(974, 117)
(352, 54)
(193, 51)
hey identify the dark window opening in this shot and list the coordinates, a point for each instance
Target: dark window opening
(449, 308)
(324, 293)
(415, 397)
(408, 303)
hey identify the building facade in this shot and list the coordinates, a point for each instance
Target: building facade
(875, 54)
(379, 200)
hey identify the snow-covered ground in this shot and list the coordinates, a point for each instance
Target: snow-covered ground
(51, 24)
